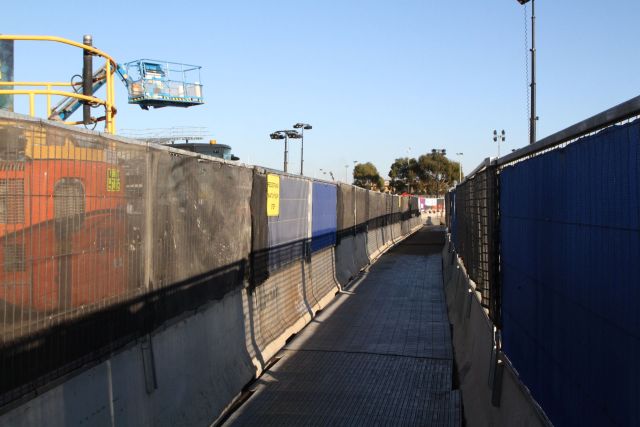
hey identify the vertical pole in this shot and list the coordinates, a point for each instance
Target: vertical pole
(109, 124)
(87, 78)
(6, 72)
(151, 172)
(302, 151)
(48, 101)
(493, 245)
(286, 152)
(113, 101)
(533, 73)
(32, 107)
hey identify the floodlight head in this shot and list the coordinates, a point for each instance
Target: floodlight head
(307, 127)
(523, 1)
(276, 135)
(293, 134)
(298, 125)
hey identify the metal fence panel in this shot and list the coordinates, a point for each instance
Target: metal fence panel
(104, 241)
(346, 207)
(476, 235)
(289, 231)
(360, 257)
(570, 250)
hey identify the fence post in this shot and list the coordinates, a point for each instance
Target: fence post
(493, 234)
(149, 220)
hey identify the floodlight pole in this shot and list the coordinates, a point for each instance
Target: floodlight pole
(286, 152)
(302, 153)
(302, 127)
(534, 118)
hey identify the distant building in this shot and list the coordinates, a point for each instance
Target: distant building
(221, 151)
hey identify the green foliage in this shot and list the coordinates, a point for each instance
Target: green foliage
(366, 175)
(430, 174)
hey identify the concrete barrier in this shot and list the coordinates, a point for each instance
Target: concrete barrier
(190, 371)
(492, 393)
(178, 376)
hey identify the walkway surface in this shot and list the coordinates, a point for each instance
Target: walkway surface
(379, 355)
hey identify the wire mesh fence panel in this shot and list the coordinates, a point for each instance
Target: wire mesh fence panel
(290, 230)
(396, 217)
(360, 257)
(322, 274)
(345, 247)
(476, 234)
(104, 240)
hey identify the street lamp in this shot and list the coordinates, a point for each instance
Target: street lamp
(302, 127)
(285, 134)
(499, 138)
(460, 167)
(532, 124)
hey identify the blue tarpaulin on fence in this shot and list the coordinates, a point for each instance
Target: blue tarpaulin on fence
(570, 251)
(323, 216)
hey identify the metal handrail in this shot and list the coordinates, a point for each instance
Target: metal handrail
(110, 110)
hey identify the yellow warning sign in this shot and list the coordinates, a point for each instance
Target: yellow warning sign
(273, 195)
(113, 180)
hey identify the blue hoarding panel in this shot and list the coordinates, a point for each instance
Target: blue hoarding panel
(323, 216)
(570, 251)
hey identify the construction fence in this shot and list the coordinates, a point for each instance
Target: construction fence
(104, 240)
(551, 237)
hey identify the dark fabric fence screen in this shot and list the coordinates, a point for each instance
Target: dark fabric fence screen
(570, 251)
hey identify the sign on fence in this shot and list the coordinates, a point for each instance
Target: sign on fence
(273, 195)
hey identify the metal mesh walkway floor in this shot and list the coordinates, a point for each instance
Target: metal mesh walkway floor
(379, 355)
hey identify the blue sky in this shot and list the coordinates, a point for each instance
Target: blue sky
(376, 79)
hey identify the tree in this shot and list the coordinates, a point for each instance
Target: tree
(366, 175)
(431, 174)
(437, 172)
(404, 175)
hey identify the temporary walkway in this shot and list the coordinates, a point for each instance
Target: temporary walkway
(381, 354)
